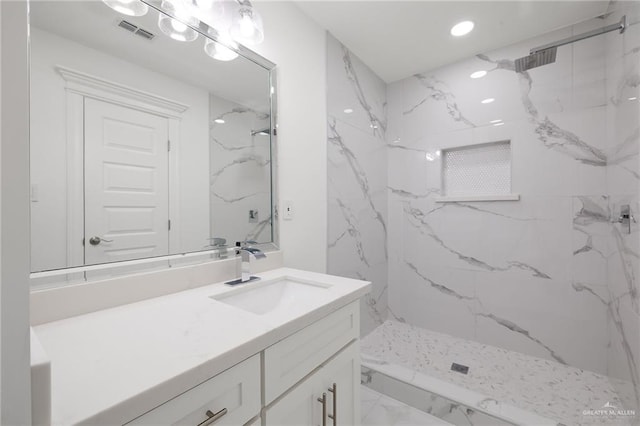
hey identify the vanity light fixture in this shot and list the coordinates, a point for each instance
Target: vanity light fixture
(178, 29)
(478, 74)
(128, 7)
(222, 49)
(246, 24)
(487, 101)
(633, 98)
(175, 29)
(219, 121)
(462, 28)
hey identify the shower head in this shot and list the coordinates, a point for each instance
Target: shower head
(546, 54)
(537, 59)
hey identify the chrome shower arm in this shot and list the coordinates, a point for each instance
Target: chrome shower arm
(613, 27)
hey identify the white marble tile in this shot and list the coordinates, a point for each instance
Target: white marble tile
(386, 411)
(355, 159)
(357, 178)
(536, 316)
(353, 86)
(591, 240)
(624, 356)
(624, 260)
(432, 298)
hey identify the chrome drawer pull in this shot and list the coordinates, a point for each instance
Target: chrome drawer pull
(212, 417)
(334, 416)
(323, 401)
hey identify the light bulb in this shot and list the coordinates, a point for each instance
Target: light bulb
(177, 30)
(219, 52)
(178, 26)
(221, 48)
(128, 7)
(246, 26)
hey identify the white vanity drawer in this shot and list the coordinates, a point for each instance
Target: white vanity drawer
(292, 358)
(237, 390)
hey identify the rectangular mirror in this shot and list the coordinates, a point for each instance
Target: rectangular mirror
(143, 146)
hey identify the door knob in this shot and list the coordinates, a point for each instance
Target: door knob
(94, 241)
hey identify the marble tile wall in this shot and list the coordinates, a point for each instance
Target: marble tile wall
(240, 173)
(357, 177)
(549, 275)
(623, 186)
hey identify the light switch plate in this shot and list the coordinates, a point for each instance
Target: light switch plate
(287, 210)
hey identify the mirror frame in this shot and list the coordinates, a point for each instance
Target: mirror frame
(47, 279)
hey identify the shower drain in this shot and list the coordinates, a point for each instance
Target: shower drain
(459, 368)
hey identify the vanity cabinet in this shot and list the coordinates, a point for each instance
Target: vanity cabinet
(311, 377)
(330, 396)
(291, 359)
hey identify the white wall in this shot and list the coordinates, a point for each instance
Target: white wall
(297, 45)
(15, 396)
(49, 134)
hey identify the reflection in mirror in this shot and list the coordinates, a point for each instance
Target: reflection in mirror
(141, 145)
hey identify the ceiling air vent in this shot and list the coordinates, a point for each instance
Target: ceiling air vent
(145, 34)
(128, 26)
(136, 30)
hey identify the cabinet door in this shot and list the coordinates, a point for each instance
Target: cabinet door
(340, 379)
(300, 407)
(297, 408)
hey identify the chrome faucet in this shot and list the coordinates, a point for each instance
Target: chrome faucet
(245, 250)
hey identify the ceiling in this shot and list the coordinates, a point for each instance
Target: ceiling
(397, 39)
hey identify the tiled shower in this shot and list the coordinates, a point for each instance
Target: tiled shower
(548, 272)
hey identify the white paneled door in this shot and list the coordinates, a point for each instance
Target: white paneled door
(126, 176)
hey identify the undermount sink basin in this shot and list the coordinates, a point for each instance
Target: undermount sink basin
(272, 297)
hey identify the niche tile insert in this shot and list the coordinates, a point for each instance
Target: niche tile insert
(482, 170)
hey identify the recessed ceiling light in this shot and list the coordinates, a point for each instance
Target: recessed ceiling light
(495, 121)
(461, 28)
(487, 101)
(499, 124)
(219, 121)
(348, 111)
(478, 74)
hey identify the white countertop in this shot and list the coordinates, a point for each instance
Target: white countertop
(111, 366)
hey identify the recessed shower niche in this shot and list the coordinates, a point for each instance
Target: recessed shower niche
(480, 172)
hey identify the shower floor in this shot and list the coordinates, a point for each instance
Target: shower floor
(546, 388)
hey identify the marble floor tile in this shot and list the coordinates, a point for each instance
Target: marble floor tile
(380, 410)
